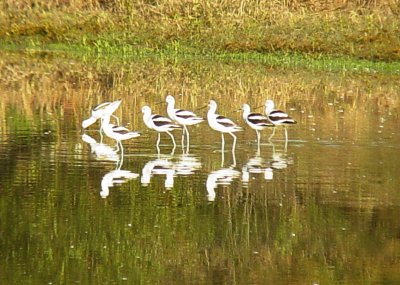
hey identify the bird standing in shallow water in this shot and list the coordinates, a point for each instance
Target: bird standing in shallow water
(158, 123)
(182, 117)
(256, 121)
(117, 133)
(277, 117)
(103, 109)
(221, 123)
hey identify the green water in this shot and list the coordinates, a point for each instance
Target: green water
(323, 209)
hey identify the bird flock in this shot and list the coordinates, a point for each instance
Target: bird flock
(181, 119)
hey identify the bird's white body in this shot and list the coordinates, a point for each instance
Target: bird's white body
(158, 123)
(277, 117)
(182, 117)
(118, 133)
(218, 122)
(221, 123)
(104, 109)
(255, 121)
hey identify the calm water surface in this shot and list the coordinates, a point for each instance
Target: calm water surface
(323, 209)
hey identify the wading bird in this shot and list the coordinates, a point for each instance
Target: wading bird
(256, 121)
(158, 123)
(182, 117)
(277, 117)
(221, 123)
(103, 109)
(117, 133)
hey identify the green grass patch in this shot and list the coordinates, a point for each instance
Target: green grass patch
(108, 50)
(363, 37)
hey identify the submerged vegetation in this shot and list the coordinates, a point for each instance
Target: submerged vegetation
(357, 29)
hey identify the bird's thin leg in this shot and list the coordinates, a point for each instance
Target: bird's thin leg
(101, 132)
(286, 137)
(122, 155)
(117, 146)
(258, 141)
(187, 139)
(273, 133)
(234, 141)
(222, 156)
(158, 151)
(158, 140)
(233, 149)
(233, 157)
(183, 138)
(285, 146)
(172, 137)
(222, 150)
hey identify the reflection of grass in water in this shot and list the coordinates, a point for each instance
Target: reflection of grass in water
(49, 82)
(234, 239)
(170, 236)
(61, 93)
(67, 89)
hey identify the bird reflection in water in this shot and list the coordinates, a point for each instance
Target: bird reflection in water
(101, 151)
(159, 166)
(256, 165)
(113, 178)
(187, 164)
(164, 165)
(279, 159)
(223, 176)
(117, 176)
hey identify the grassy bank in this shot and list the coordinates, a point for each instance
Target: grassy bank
(367, 30)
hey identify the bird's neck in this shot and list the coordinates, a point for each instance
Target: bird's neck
(246, 113)
(170, 108)
(211, 112)
(268, 109)
(105, 120)
(146, 116)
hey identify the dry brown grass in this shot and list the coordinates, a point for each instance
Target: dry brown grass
(362, 29)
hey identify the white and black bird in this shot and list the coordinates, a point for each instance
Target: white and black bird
(277, 117)
(104, 109)
(182, 117)
(118, 133)
(256, 121)
(158, 123)
(221, 123)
